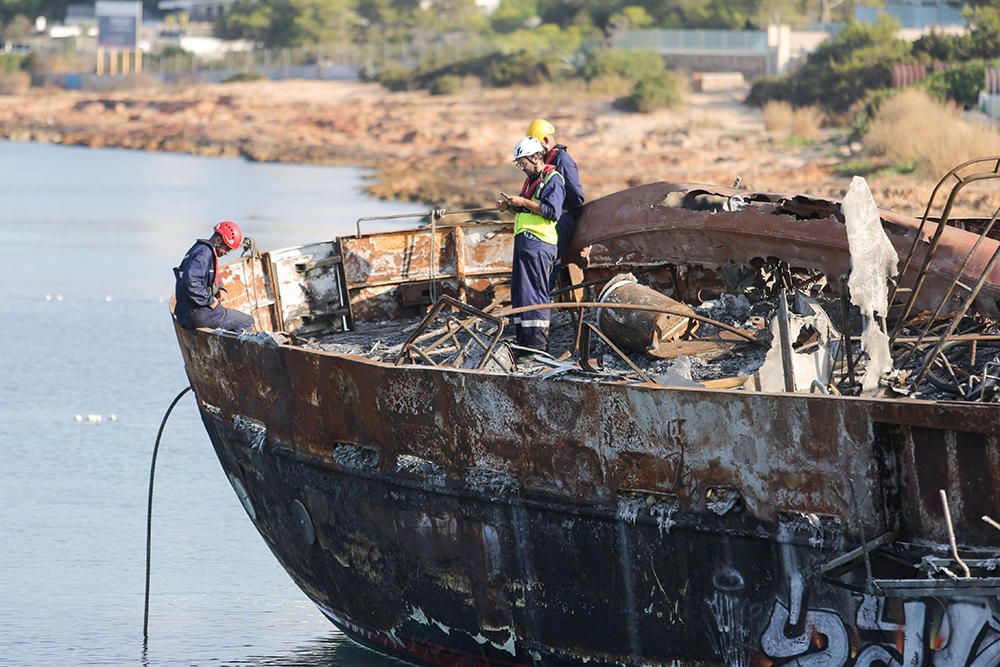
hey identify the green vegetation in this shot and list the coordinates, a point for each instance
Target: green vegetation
(284, 23)
(867, 110)
(960, 84)
(521, 67)
(852, 73)
(633, 65)
(494, 69)
(874, 169)
(641, 75)
(654, 91)
(240, 77)
(13, 62)
(839, 73)
(446, 84)
(13, 77)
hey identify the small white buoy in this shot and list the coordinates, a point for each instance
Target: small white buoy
(107, 298)
(58, 297)
(113, 418)
(94, 419)
(48, 297)
(78, 418)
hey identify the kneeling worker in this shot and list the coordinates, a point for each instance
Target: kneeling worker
(538, 207)
(197, 299)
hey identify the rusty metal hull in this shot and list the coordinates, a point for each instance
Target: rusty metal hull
(449, 578)
(468, 518)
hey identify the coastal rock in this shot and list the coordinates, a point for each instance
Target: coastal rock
(449, 150)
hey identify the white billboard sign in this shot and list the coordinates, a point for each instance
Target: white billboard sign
(118, 23)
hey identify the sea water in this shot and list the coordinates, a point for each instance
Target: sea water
(87, 242)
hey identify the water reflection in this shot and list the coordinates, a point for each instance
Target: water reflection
(335, 650)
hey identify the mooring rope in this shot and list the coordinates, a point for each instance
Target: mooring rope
(149, 510)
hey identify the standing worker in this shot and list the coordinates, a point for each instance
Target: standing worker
(557, 155)
(198, 303)
(537, 208)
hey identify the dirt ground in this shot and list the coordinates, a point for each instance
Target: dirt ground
(452, 150)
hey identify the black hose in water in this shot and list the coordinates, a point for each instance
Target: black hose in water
(149, 510)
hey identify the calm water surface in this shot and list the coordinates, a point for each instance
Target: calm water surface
(101, 229)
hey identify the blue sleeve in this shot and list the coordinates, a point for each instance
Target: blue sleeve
(566, 165)
(195, 277)
(552, 197)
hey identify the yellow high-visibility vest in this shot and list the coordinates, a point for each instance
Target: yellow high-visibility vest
(543, 228)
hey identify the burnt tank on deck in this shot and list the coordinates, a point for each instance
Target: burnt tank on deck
(444, 504)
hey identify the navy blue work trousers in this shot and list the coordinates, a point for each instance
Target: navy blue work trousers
(218, 318)
(533, 263)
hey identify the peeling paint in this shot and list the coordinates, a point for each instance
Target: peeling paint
(253, 431)
(663, 513)
(213, 410)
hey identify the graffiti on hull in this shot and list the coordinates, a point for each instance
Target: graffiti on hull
(885, 632)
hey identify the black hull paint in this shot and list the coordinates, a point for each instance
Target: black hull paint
(440, 579)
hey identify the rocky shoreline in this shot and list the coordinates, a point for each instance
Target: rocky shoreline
(449, 150)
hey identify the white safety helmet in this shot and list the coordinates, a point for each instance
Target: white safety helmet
(527, 147)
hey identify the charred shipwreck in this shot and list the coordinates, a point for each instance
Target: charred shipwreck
(723, 460)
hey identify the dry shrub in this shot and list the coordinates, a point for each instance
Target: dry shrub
(806, 122)
(803, 122)
(778, 116)
(14, 83)
(610, 84)
(912, 127)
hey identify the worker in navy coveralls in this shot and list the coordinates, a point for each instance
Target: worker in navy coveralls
(558, 156)
(198, 299)
(537, 208)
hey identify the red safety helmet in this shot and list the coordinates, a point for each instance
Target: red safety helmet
(230, 233)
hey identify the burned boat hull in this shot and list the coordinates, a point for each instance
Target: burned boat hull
(464, 518)
(456, 513)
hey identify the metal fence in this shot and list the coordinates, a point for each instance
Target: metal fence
(318, 61)
(709, 42)
(343, 60)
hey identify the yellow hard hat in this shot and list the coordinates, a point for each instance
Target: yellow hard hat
(540, 128)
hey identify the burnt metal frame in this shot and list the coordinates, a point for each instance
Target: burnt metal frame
(951, 288)
(585, 351)
(507, 312)
(410, 346)
(962, 181)
(960, 314)
(430, 216)
(584, 328)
